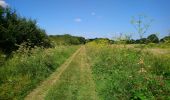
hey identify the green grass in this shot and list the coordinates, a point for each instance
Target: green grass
(68, 86)
(119, 72)
(27, 68)
(154, 45)
(76, 82)
(2, 58)
(122, 73)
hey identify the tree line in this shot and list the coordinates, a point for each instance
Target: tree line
(67, 39)
(14, 30)
(153, 38)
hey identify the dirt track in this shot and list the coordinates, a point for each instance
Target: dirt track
(71, 80)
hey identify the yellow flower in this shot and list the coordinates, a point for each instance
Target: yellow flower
(141, 61)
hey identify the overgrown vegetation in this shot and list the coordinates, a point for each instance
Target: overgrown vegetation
(126, 73)
(120, 72)
(125, 39)
(67, 40)
(30, 59)
(28, 67)
(14, 30)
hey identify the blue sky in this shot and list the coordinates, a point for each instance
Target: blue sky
(94, 18)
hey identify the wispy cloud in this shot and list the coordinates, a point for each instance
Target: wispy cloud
(78, 20)
(3, 4)
(96, 15)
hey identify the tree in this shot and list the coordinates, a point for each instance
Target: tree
(14, 30)
(67, 39)
(152, 39)
(166, 39)
(141, 24)
(141, 41)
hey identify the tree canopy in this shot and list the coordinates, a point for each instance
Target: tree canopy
(166, 39)
(152, 38)
(67, 39)
(14, 30)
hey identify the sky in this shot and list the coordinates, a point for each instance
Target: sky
(94, 18)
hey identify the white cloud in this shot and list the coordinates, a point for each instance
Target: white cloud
(93, 13)
(3, 4)
(78, 20)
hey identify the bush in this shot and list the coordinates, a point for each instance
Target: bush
(15, 30)
(2, 58)
(152, 39)
(166, 39)
(67, 40)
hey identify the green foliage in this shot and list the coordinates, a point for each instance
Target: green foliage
(28, 67)
(67, 39)
(127, 40)
(141, 41)
(100, 41)
(70, 83)
(122, 73)
(152, 39)
(165, 46)
(2, 58)
(15, 30)
(166, 39)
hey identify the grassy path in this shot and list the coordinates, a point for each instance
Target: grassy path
(40, 92)
(73, 81)
(88, 89)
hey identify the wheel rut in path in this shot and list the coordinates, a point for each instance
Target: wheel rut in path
(40, 92)
(72, 81)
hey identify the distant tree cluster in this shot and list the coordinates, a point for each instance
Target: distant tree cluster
(98, 40)
(150, 39)
(141, 24)
(14, 30)
(67, 39)
(166, 39)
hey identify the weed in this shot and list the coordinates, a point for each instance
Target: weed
(28, 67)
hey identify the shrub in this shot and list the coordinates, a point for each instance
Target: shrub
(67, 40)
(166, 39)
(152, 39)
(16, 30)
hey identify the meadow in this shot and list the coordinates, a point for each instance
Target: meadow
(129, 73)
(99, 71)
(37, 66)
(27, 68)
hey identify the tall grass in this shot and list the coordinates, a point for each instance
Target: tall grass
(2, 58)
(27, 68)
(154, 45)
(123, 73)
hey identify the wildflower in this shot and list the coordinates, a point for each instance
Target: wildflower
(142, 70)
(149, 66)
(3, 56)
(141, 61)
(162, 83)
